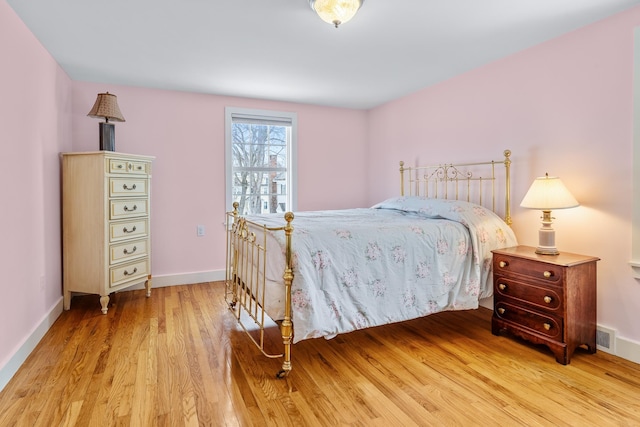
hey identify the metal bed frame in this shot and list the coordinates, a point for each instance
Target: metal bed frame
(247, 240)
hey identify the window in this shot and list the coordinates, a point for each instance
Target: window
(260, 160)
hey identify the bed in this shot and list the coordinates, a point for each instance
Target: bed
(331, 272)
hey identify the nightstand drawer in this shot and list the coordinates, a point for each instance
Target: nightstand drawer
(545, 297)
(546, 325)
(523, 267)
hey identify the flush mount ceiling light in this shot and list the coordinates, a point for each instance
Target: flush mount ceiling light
(336, 12)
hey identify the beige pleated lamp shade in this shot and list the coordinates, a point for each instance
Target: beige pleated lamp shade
(548, 193)
(106, 106)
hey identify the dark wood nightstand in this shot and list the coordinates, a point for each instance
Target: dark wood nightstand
(545, 299)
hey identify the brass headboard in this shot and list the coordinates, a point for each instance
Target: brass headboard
(462, 181)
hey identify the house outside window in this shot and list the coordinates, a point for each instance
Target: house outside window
(260, 160)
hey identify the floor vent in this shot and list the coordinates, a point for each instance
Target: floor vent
(606, 339)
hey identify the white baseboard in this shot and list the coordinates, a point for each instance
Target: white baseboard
(628, 349)
(11, 367)
(184, 279)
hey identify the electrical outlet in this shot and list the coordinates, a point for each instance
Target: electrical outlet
(200, 230)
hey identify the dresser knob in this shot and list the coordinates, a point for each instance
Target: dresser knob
(547, 274)
(502, 286)
(124, 187)
(503, 264)
(501, 310)
(127, 209)
(124, 230)
(547, 326)
(547, 299)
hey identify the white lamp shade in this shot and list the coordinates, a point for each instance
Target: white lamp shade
(548, 193)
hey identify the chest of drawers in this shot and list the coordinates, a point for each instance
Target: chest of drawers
(545, 299)
(105, 223)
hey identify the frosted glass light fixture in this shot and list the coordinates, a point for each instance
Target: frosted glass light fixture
(548, 193)
(336, 12)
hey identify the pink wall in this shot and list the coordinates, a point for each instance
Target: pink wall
(35, 125)
(185, 132)
(563, 107)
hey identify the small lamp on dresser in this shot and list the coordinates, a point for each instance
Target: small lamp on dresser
(548, 193)
(106, 106)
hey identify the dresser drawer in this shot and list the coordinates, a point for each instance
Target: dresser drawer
(123, 187)
(128, 250)
(545, 297)
(120, 209)
(506, 265)
(128, 229)
(122, 274)
(128, 166)
(545, 325)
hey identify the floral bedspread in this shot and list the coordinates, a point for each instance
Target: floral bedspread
(406, 257)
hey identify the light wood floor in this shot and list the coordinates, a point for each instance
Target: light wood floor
(178, 359)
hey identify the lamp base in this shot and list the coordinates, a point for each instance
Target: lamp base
(546, 236)
(107, 136)
(547, 251)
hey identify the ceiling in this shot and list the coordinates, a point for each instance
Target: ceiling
(281, 50)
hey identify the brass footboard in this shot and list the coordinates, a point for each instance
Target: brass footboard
(246, 280)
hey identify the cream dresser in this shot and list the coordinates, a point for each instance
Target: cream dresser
(105, 223)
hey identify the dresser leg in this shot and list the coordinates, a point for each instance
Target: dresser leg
(148, 285)
(104, 302)
(562, 354)
(66, 300)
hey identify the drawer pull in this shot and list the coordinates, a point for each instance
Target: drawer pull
(119, 166)
(502, 286)
(126, 208)
(135, 270)
(547, 326)
(547, 274)
(126, 252)
(124, 187)
(503, 264)
(124, 230)
(547, 299)
(501, 310)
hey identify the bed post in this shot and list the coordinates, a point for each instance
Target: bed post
(401, 178)
(507, 165)
(286, 328)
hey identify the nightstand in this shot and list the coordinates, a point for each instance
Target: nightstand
(545, 299)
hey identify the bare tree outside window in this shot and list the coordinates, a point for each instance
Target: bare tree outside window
(259, 164)
(260, 160)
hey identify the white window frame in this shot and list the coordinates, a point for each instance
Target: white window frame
(292, 160)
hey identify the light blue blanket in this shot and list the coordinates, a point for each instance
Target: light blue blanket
(404, 258)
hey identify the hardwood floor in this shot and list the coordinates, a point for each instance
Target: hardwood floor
(178, 359)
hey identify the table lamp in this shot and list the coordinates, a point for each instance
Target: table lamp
(548, 193)
(107, 106)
